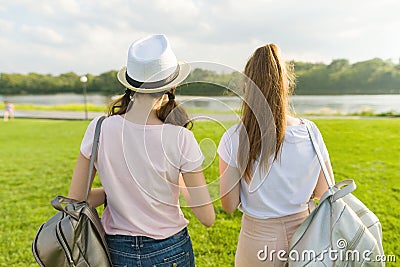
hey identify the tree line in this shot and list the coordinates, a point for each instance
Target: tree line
(375, 76)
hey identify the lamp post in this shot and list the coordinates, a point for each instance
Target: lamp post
(84, 80)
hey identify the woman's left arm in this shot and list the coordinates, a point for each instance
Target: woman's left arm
(322, 186)
(229, 186)
(79, 183)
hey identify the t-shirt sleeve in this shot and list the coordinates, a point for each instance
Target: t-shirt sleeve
(320, 142)
(226, 148)
(191, 155)
(87, 141)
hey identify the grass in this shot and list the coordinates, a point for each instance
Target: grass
(38, 156)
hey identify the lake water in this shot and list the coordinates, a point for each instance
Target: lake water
(302, 104)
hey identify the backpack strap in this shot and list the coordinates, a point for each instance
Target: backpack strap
(318, 152)
(93, 156)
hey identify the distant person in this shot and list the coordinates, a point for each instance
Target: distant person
(144, 150)
(8, 110)
(268, 166)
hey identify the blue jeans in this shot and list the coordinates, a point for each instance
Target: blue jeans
(141, 251)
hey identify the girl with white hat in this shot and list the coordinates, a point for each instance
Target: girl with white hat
(145, 153)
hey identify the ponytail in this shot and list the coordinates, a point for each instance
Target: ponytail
(171, 112)
(121, 105)
(273, 79)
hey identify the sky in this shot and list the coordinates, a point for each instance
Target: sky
(87, 36)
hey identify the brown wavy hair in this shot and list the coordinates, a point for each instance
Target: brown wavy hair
(169, 112)
(269, 81)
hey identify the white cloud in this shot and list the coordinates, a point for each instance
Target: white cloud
(178, 8)
(50, 7)
(41, 34)
(87, 36)
(6, 25)
(69, 6)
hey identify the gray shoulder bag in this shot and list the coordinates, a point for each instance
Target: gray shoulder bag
(340, 231)
(75, 235)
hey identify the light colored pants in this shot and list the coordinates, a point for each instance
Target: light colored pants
(265, 242)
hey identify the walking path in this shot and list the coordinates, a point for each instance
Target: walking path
(60, 115)
(75, 115)
(80, 115)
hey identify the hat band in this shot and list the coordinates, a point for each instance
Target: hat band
(152, 85)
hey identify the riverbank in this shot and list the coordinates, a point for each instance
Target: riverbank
(80, 115)
(358, 105)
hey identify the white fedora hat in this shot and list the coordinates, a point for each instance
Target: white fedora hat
(152, 66)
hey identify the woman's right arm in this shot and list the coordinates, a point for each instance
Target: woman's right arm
(229, 186)
(197, 196)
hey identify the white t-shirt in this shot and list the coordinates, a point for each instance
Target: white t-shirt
(139, 166)
(287, 187)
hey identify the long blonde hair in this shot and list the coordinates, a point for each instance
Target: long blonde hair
(269, 81)
(169, 112)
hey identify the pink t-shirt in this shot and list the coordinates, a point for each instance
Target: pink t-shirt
(139, 167)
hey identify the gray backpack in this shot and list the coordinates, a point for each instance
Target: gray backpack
(340, 231)
(75, 235)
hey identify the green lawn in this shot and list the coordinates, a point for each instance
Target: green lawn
(37, 158)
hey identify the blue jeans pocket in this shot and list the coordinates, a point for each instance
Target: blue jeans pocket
(178, 253)
(142, 251)
(180, 259)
